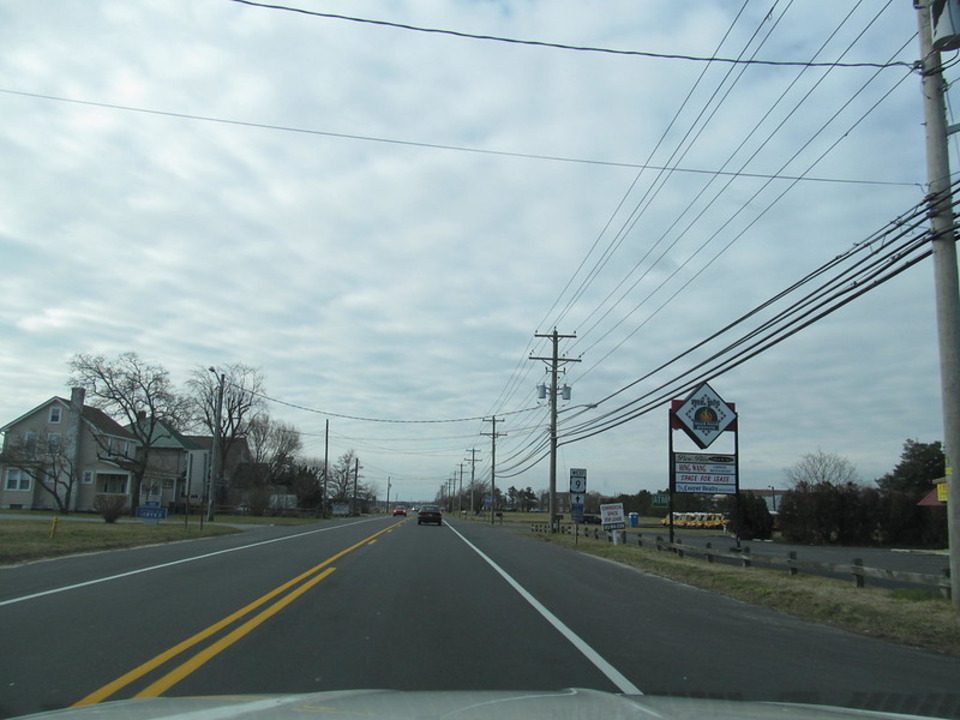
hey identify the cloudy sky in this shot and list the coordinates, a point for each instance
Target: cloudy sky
(381, 219)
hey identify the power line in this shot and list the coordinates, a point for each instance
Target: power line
(427, 145)
(744, 206)
(329, 413)
(889, 252)
(565, 46)
(825, 299)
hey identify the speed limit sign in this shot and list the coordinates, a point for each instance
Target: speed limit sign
(578, 480)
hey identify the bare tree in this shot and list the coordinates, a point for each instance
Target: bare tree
(340, 483)
(274, 446)
(820, 467)
(130, 389)
(48, 463)
(242, 400)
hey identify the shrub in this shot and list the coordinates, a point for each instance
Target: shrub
(110, 507)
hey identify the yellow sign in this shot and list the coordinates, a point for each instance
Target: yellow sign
(942, 492)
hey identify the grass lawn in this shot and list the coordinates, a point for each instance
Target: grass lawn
(912, 617)
(22, 540)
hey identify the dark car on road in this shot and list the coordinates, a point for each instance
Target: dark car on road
(400, 510)
(429, 514)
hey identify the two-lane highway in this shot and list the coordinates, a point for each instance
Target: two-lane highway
(385, 603)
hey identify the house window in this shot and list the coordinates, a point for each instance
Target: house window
(30, 443)
(113, 483)
(17, 479)
(55, 412)
(87, 477)
(53, 442)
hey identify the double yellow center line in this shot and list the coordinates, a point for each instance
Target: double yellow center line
(316, 574)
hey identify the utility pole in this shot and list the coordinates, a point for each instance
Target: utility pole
(388, 494)
(945, 279)
(217, 461)
(493, 466)
(554, 362)
(326, 463)
(473, 487)
(460, 494)
(356, 476)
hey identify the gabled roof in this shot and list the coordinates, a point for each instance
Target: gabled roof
(95, 417)
(104, 423)
(27, 414)
(165, 437)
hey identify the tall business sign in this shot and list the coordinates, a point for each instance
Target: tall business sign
(704, 416)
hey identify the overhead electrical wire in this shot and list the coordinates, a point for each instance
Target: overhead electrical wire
(523, 368)
(890, 251)
(562, 46)
(743, 207)
(361, 418)
(653, 189)
(911, 223)
(631, 222)
(407, 143)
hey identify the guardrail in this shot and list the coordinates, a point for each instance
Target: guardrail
(743, 557)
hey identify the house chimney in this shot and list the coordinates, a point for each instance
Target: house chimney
(77, 396)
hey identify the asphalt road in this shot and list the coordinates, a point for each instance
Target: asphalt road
(379, 603)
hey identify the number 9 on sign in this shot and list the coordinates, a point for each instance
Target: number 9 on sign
(578, 480)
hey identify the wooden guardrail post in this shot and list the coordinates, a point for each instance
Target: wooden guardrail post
(745, 557)
(945, 584)
(791, 559)
(709, 553)
(639, 539)
(858, 571)
(659, 542)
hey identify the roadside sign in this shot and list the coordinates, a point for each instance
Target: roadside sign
(942, 492)
(576, 513)
(578, 480)
(704, 416)
(705, 473)
(661, 499)
(611, 516)
(151, 512)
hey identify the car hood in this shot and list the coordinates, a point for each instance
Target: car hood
(457, 705)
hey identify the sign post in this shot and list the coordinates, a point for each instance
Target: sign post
(578, 496)
(611, 517)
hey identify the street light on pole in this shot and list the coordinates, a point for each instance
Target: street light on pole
(216, 462)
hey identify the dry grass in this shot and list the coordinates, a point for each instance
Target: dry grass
(918, 618)
(22, 540)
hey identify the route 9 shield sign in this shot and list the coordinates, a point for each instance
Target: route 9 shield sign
(578, 480)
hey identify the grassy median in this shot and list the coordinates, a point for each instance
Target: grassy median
(921, 618)
(22, 540)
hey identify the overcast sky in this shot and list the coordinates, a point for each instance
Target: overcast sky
(368, 275)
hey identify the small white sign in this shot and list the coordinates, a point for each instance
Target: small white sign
(611, 516)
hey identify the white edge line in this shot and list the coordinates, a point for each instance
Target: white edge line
(86, 583)
(614, 675)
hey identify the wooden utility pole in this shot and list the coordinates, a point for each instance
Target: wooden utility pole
(493, 466)
(945, 278)
(554, 363)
